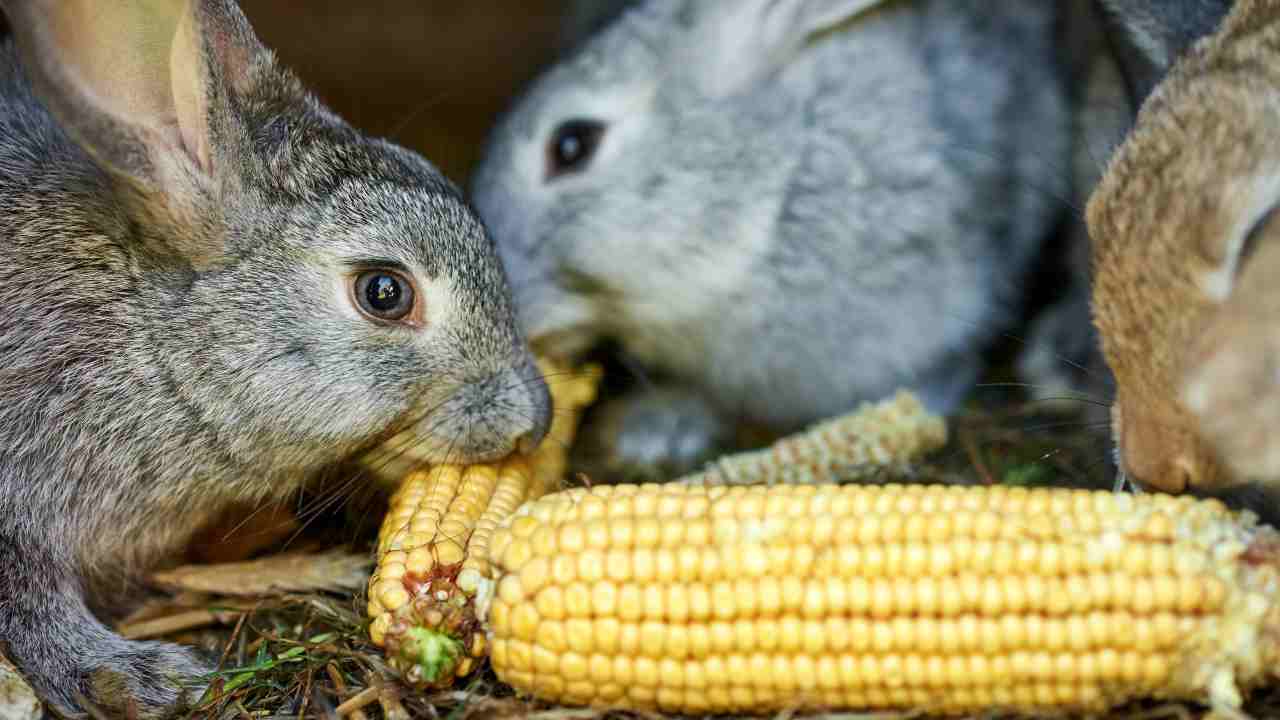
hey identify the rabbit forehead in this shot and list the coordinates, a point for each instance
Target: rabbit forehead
(629, 50)
(612, 77)
(437, 234)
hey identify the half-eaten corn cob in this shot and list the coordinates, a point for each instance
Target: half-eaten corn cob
(854, 446)
(432, 548)
(943, 599)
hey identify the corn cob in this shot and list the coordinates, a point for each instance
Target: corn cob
(851, 447)
(432, 547)
(940, 599)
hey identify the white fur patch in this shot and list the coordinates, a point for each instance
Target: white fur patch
(440, 301)
(1195, 395)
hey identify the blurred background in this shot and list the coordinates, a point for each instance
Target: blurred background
(429, 74)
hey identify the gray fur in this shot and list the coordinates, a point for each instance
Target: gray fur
(141, 392)
(791, 225)
(1063, 361)
(1150, 35)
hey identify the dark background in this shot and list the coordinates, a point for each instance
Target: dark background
(430, 74)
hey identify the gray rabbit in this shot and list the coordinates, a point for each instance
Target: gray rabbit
(786, 206)
(214, 290)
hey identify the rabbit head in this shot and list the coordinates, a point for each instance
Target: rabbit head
(793, 205)
(309, 290)
(1184, 248)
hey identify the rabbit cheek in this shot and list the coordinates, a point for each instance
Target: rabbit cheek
(1232, 385)
(1232, 393)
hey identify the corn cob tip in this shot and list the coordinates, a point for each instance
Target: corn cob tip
(431, 639)
(432, 654)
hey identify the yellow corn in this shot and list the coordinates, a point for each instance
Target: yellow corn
(433, 545)
(696, 599)
(873, 438)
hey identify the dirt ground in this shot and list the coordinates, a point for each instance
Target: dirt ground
(307, 654)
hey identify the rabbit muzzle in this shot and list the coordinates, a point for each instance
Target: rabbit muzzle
(484, 419)
(1163, 455)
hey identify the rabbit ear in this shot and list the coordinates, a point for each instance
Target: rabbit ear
(752, 37)
(1150, 35)
(142, 86)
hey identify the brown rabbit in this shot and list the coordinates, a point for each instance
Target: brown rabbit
(1185, 244)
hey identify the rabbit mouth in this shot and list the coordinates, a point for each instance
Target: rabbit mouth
(564, 327)
(483, 419)
(396, 457)
(565, 344)
(408, 450)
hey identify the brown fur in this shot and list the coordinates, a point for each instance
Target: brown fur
(1174, 209)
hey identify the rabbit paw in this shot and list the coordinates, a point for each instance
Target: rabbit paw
(653, 435)
(147, 680)
(110, 677)
(1062, 363)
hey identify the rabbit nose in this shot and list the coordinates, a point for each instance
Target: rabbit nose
(1186, 472)
(1176, 476)
(1147, 454)
(1151, 476)
(1163, 457)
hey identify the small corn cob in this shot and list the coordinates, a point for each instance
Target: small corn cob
(433, 545)
(930, 598)
(846, 448)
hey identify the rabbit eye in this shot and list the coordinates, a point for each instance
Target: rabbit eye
(383, 295)
(572, 146)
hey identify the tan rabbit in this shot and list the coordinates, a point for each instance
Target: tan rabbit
(1185, 249)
